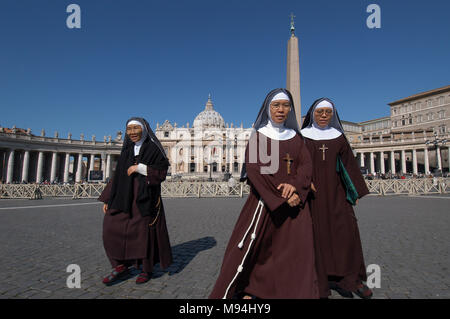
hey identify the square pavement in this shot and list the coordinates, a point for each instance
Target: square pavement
(407, 237)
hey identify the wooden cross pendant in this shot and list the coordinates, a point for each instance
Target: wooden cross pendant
(289, 161)
(323, 149)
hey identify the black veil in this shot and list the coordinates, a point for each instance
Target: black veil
(263, 115)
(151, 154)
(263, 118)
(127, 141)
(335, 121)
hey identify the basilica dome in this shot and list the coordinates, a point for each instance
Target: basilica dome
(209, 118)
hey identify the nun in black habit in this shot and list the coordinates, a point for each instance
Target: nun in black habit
(270, 253)
(337, 184)
(134, 225)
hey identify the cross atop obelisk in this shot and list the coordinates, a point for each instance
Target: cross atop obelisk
(293, 71)
(292, 24)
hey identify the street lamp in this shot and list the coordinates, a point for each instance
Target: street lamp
(436, 142)
(210, 169)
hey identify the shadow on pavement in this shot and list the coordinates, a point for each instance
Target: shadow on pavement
(183, 254)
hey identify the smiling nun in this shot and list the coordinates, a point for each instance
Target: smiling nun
(134, 225)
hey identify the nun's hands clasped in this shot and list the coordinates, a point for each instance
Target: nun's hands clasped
(288, 190)
(294, 200)
(132, 169)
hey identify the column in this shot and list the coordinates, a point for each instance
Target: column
(414, 155)
(175, 160)
(53, 169)
(392, 166)
(448, 158)
(372, 163)
(415, 169)
(108, 165)
(231, 160)
(382, 169)
(40, 166)
(10, 171)
(361, 159)
(426, 161)
(438, 156)
(219, 158)
(201, 159)
(66, 168)
(79, 168)
(104, 166)
(403, 162)
(25, 166)
(91, 165)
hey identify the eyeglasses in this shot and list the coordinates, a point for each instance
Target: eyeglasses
(327, 112)
(276, 106)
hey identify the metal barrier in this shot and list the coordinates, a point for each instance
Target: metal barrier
(413, 186)
(184, 189)
(203, 189)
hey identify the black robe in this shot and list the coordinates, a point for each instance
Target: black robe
(134, 226)
(129, 239)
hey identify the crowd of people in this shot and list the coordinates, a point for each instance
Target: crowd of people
(389, 175)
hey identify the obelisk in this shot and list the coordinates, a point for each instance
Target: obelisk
(293, 72)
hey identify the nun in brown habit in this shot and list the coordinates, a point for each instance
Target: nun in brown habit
(270, 253)
(339, 256)
(134, 225)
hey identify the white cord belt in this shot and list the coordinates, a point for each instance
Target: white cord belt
(258, 212)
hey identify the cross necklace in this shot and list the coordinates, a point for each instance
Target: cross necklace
(323, 149)
(288, 161)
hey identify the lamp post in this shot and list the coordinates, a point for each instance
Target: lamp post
(210, 170)
(436, 143)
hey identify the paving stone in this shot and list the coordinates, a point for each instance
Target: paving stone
(407, 237)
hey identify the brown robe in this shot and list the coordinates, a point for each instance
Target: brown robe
(337, 242)
(280, 263)
(129, 239)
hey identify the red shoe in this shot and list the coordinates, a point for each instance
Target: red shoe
(363, 291)
(117, 273)
(143, 277)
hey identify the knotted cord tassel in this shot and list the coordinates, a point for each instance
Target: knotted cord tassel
(241, 243)
(253, 237)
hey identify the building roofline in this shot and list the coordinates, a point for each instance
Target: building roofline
(380, 118)
(421, 95)
(348, 122)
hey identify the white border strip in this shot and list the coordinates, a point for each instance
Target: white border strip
(47, 206)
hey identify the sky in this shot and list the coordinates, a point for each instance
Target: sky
(160, 59)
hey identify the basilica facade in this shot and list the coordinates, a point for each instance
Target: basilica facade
(208, 147)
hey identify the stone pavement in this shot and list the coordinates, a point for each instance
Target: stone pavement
(408, 237)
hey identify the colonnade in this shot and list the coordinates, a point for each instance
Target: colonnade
(19, 165)
(410, 160)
